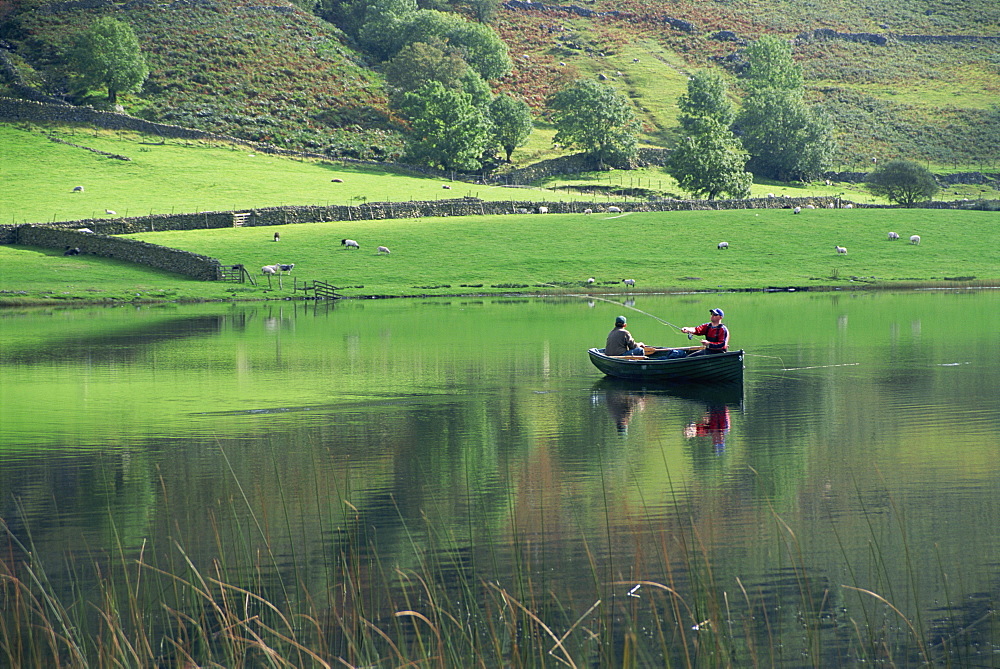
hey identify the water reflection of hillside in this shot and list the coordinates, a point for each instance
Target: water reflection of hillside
(123, 344)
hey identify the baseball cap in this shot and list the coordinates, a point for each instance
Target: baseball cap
(716, 312)
(620, 320)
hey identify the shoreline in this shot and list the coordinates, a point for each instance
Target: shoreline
(858, 286)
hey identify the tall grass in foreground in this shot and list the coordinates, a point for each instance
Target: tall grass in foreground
(254, 605)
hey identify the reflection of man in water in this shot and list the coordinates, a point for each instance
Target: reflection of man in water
(621, 406)
(714, 424)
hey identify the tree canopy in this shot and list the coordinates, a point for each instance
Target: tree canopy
(446, 128)
(709, 160)
(903, 182)
(511, 122)
(772, 66)
(479, 44)
(707, 96)
(108, 55)
(597, 119)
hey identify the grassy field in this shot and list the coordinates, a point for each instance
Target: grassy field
(186, 176)
(545, 254)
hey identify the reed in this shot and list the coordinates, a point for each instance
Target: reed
(255, 602)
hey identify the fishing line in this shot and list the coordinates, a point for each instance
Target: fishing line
(602, 299)
(646, 313)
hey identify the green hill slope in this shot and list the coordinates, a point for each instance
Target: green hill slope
(270, 71)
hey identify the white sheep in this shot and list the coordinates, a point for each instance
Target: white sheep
(723, 245)
(614, 210)
(350, 244)
(110, 212)
(848, 206)
(543, 210)
(382, 249)
(590, 280)
(893, 236)
(810, 206)
(915, 239)
(588, 211)
(829, 205)
(770, 194)
(86, 230)
(629, 282)
(797, 210)
(841, 249)
(268, 270)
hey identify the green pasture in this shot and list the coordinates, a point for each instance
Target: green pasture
(186, 176)
(547, 253)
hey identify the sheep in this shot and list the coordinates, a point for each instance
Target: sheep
(286, 268)
(629, 282)
(848, 206)
(588, 211)
(269, 270)
(77, 189)
(543, 210)
(635, 60)
(110, 212)
(797, 210)
(915, 239)
(810, 206)
(770, 194)
(71, 251)
(277, 237)
(841, 249)
(446, 187)
(337, 181)
(614, 210)
(723, 245)
(382, 249)
(590, 280)
(829, 205)
(86, 230)
(350, 244)
(893, 236)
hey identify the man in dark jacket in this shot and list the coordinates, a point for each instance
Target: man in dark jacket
(620, 341)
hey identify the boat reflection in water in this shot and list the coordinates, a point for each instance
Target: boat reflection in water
(624, 399)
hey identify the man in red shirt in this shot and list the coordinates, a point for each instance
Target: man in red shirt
(716, 334)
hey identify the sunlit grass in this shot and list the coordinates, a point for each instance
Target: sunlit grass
(186, 176)
(544, 254)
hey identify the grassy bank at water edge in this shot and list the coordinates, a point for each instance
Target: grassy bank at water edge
(544, 254)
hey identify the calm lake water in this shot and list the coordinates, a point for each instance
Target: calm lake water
(847, 498)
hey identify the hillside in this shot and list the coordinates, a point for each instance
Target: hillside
(269, 71)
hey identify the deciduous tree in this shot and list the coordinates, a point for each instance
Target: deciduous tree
(511, 122)
(597, 119)
(772, 66)
(446, 128)
(785, 138)
(707, 96)
(108, 55)
(709, 162)
(903, 182)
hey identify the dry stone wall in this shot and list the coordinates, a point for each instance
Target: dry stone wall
(129, 250)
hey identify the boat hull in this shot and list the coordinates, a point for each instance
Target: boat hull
(717, 368)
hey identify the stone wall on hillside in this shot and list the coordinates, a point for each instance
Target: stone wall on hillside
(129, 250)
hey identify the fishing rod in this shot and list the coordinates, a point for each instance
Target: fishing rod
(646, 313)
